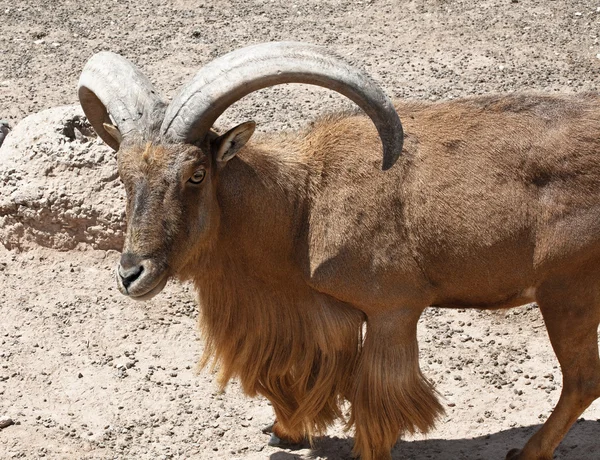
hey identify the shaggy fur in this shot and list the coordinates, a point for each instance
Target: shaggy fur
(301, 355)
(390, 395)
(299, 240)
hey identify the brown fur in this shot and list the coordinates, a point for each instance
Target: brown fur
(299, 240)
(289, 358)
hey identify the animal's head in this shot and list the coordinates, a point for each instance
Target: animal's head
(169, 157)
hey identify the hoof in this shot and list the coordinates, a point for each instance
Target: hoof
(276, 441)
(268, 429)
(513, 454)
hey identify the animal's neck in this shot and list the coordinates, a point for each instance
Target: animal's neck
(262, 197)
(260, 320)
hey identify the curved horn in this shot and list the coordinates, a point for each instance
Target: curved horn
(110, 84)
(227, 79)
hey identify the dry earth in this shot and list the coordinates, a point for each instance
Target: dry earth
(87, 373)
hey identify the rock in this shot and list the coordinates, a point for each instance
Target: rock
(5, 422)
(58, 189)
(4, 130)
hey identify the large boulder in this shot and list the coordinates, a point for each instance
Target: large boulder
(59, 185)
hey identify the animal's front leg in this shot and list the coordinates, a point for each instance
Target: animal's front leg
(391, 396)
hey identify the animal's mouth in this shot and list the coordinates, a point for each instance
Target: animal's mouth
(158, 287)
(149, 282)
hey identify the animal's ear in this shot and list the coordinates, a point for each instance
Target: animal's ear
(114, 132)
(227, 145)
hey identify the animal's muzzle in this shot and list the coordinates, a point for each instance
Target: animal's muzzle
(140, 278)
(129, 269)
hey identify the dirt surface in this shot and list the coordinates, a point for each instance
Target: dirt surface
(87, 373)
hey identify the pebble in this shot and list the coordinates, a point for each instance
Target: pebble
(6, 422)
(4, 130)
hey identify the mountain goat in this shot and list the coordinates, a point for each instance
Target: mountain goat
(295, 241)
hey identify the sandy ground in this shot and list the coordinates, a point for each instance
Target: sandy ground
(87, 373)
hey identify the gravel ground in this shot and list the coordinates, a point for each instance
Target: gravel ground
(87, 373)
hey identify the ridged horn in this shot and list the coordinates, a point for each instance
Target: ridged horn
(227, 79)
(110, 84)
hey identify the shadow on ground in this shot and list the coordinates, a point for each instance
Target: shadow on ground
(582, 443)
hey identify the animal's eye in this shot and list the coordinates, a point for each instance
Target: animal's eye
(197, 177)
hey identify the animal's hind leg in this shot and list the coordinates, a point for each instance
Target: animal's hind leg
(391, 396)
(571, 311)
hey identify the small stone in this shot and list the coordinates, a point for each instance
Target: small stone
(4, 130)
(6, 422)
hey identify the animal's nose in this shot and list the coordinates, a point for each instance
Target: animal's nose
(129, 269)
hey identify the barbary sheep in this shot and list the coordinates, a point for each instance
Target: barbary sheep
(295, 241)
